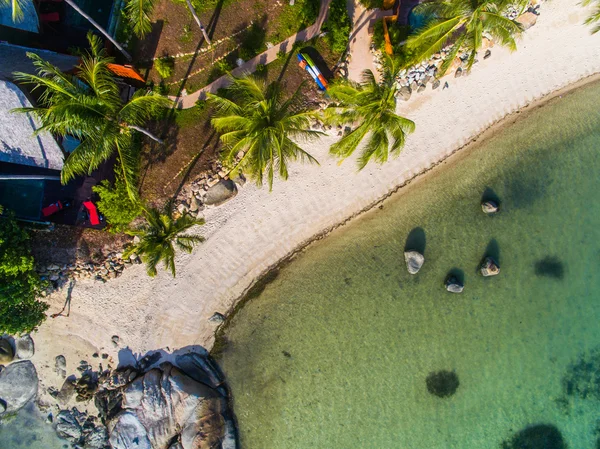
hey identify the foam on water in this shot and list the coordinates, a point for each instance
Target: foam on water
(337, 350)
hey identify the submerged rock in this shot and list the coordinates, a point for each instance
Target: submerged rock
(453, 285)
(24, 347)
(442, 383)
(540, 436)
(414, 261)
(489, 267)
(6, 351)
(68, 427)
(490, 207)
(18, 385)
(550, 266)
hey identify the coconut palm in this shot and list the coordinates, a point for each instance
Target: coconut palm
(595, 17)
(138, 13)
(17, 16)
(197, 19)
(256, 119)
(372, 106)
(462, 24)
(87, 105)
(159, 236)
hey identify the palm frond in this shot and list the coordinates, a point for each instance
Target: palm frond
(138, 13)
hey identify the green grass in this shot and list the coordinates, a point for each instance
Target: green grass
(206, 5)
(184, 118)
(293, 19)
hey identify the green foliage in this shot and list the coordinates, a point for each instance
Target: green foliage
(187, 34)
(89, 107)
(159, 236)
(256, 118)
(595, 17)
(138, 14)
(116, 204)
(261, 69)
(293, 18)
(253, 42)
(372, 105)
(220, 68)
(372, 4)
(463, 25)
(165, 66)
(338, 26)
(20, 285)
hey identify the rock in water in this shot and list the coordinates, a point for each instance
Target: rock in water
(442, 383)
(453, 285)
(414, 261)
(68, 427)
(490, 207)
(6, 351)
(25, 348)
(489, 267)
(18, 385)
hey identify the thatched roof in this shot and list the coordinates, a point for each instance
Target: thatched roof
(18, 145)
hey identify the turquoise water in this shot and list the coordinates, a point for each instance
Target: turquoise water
(28, 430)
(335, 352)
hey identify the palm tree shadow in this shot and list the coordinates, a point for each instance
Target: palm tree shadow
(212, 24)
(416, 240)
(194, 161)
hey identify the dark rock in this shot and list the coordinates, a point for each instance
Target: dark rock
(489, 267)
(24, 347)
(540, 436)
(96, 439)
(6, 351)
(550, 266)
(435, 84)
(453, 285)
(220, 193)
(414, 261)
(18, 385)
(60, 365)
(115, 338)
(68, 427)
(148, 360)
(442, 383)
(458, 73)
(217, 318)
(67, 390)
(200, 368)
(487, 54)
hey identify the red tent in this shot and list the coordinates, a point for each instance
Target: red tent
(92, 212)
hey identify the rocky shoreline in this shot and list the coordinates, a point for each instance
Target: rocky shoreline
(162, 401)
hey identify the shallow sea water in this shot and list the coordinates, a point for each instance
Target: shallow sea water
(335, 352)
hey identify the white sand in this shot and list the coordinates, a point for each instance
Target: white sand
(257, 228)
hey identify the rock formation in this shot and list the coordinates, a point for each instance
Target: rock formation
(489, 267)
(24, 347)
(442, 383)
(453, 285)
(490, 207)
(6, 351)
(18, 385)
(414, 261)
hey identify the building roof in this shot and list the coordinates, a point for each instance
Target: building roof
(18, 145)
(19, 62)
(29, 22)
(125, 71)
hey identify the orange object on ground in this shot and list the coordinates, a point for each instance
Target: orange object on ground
(125, 71)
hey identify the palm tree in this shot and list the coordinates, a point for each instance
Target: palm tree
(197, 19)
(159, 236)
(371, 105)
(595, 17)
(255, 118)
(88, 106)
(463, 25)
(17, 16)
(138, 13)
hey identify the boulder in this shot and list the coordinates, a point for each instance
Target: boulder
(6, 351)
(221, 192)
(414, 261)
(165, 405)
(96, 439)
(200, 368)
(435, 84)
(60, 365)
(194, 204)
(458, 73)
(453, 285)
(527, 20)
(489, 267)
(18, 385)
(421, 88)
(217, 318)
(490, 207)
(404, 93)
(24, 346)
(67, 426)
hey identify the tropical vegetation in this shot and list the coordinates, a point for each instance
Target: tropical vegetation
(462, 24)
(20, 285)
(338, 26)
(138, 13)
(159, 236)
(87, 105)
(255, 119)
(116, 205)
(594, 19)
(371, 105)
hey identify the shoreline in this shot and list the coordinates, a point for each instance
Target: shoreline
(270, 274)
(257, 231)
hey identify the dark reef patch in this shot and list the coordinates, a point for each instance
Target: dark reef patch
(582, 378)
(539, 436)
(443, 383)
(550, 266)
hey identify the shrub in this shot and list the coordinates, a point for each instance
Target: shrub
(116, 205)
(337, 26)
(165, 66)
(20, 285)
(253, 42)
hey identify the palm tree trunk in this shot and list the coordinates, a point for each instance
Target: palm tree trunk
(147, 133)
(197, 19)
(99, 28)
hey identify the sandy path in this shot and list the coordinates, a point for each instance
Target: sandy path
(257, 228)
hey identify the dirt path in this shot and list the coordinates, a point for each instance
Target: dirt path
(264, 58)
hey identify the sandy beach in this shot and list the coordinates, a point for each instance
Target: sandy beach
(257, 229)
